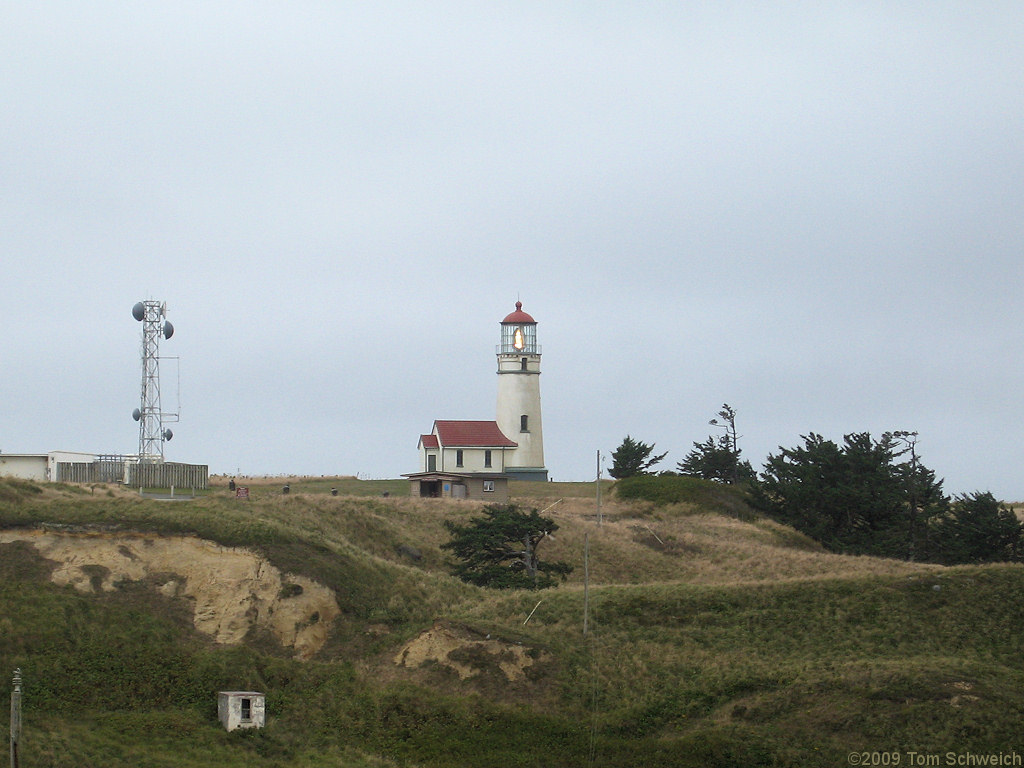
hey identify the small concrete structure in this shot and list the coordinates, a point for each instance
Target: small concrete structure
(241, 709)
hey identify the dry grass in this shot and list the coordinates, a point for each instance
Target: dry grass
(635, 543)
(632, 545)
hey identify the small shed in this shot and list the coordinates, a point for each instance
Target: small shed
(241, 709)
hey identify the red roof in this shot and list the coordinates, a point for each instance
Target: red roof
(429, 441)
(475, 434)
(518, 316)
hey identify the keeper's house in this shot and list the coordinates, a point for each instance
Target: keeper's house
(463, 460)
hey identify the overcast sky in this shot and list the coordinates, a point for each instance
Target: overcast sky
(811, 211)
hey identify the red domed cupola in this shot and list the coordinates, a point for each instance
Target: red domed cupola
(518, 316)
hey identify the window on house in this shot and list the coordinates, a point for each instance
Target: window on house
(487, 458)
(488, 486)
(432, 463)
(458, 458)
(246, 710)
(524, 423)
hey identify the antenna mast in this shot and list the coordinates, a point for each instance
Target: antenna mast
(149, 414)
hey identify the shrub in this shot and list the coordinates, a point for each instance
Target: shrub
(666, 489)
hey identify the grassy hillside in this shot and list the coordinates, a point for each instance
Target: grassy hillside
(713, 640)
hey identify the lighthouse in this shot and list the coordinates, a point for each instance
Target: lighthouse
(462, 459)
(518, 412)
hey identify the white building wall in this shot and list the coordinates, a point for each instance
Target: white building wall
(69, 457)
(73, 457)
(472, 460)
(230, 709)
(519, 395)
(24, 466)
(40, 467)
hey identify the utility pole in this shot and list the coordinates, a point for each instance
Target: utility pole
(598, 483)
(586, 581)
(16, 719)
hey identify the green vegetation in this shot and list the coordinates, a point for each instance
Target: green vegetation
(866, 497)
(633, 458)
(716, 639)
(977, 529)
(500, 549)
(718, 458)
(346, 486)
(700, 495)
(853, 498)
(12, 489)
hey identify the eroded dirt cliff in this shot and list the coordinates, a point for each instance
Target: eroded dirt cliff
(232, 590)
(468, 654)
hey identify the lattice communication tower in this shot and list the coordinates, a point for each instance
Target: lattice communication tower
(149, 414)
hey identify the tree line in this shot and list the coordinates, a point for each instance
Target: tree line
(862, 496)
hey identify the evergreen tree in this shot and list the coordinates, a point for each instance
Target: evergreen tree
(500, 549)
(977, 529)
(633, 458)
(852, 498)
(719, 458)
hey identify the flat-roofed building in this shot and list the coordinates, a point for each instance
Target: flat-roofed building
(241, 709)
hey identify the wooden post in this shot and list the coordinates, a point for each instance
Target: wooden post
(533, 611)
(16, 719)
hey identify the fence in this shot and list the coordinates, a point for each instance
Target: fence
(90, 472)
(167, 474)
(161, 475)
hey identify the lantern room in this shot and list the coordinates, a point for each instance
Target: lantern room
(518, 334)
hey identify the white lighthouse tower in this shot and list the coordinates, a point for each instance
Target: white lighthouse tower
(519, 395)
